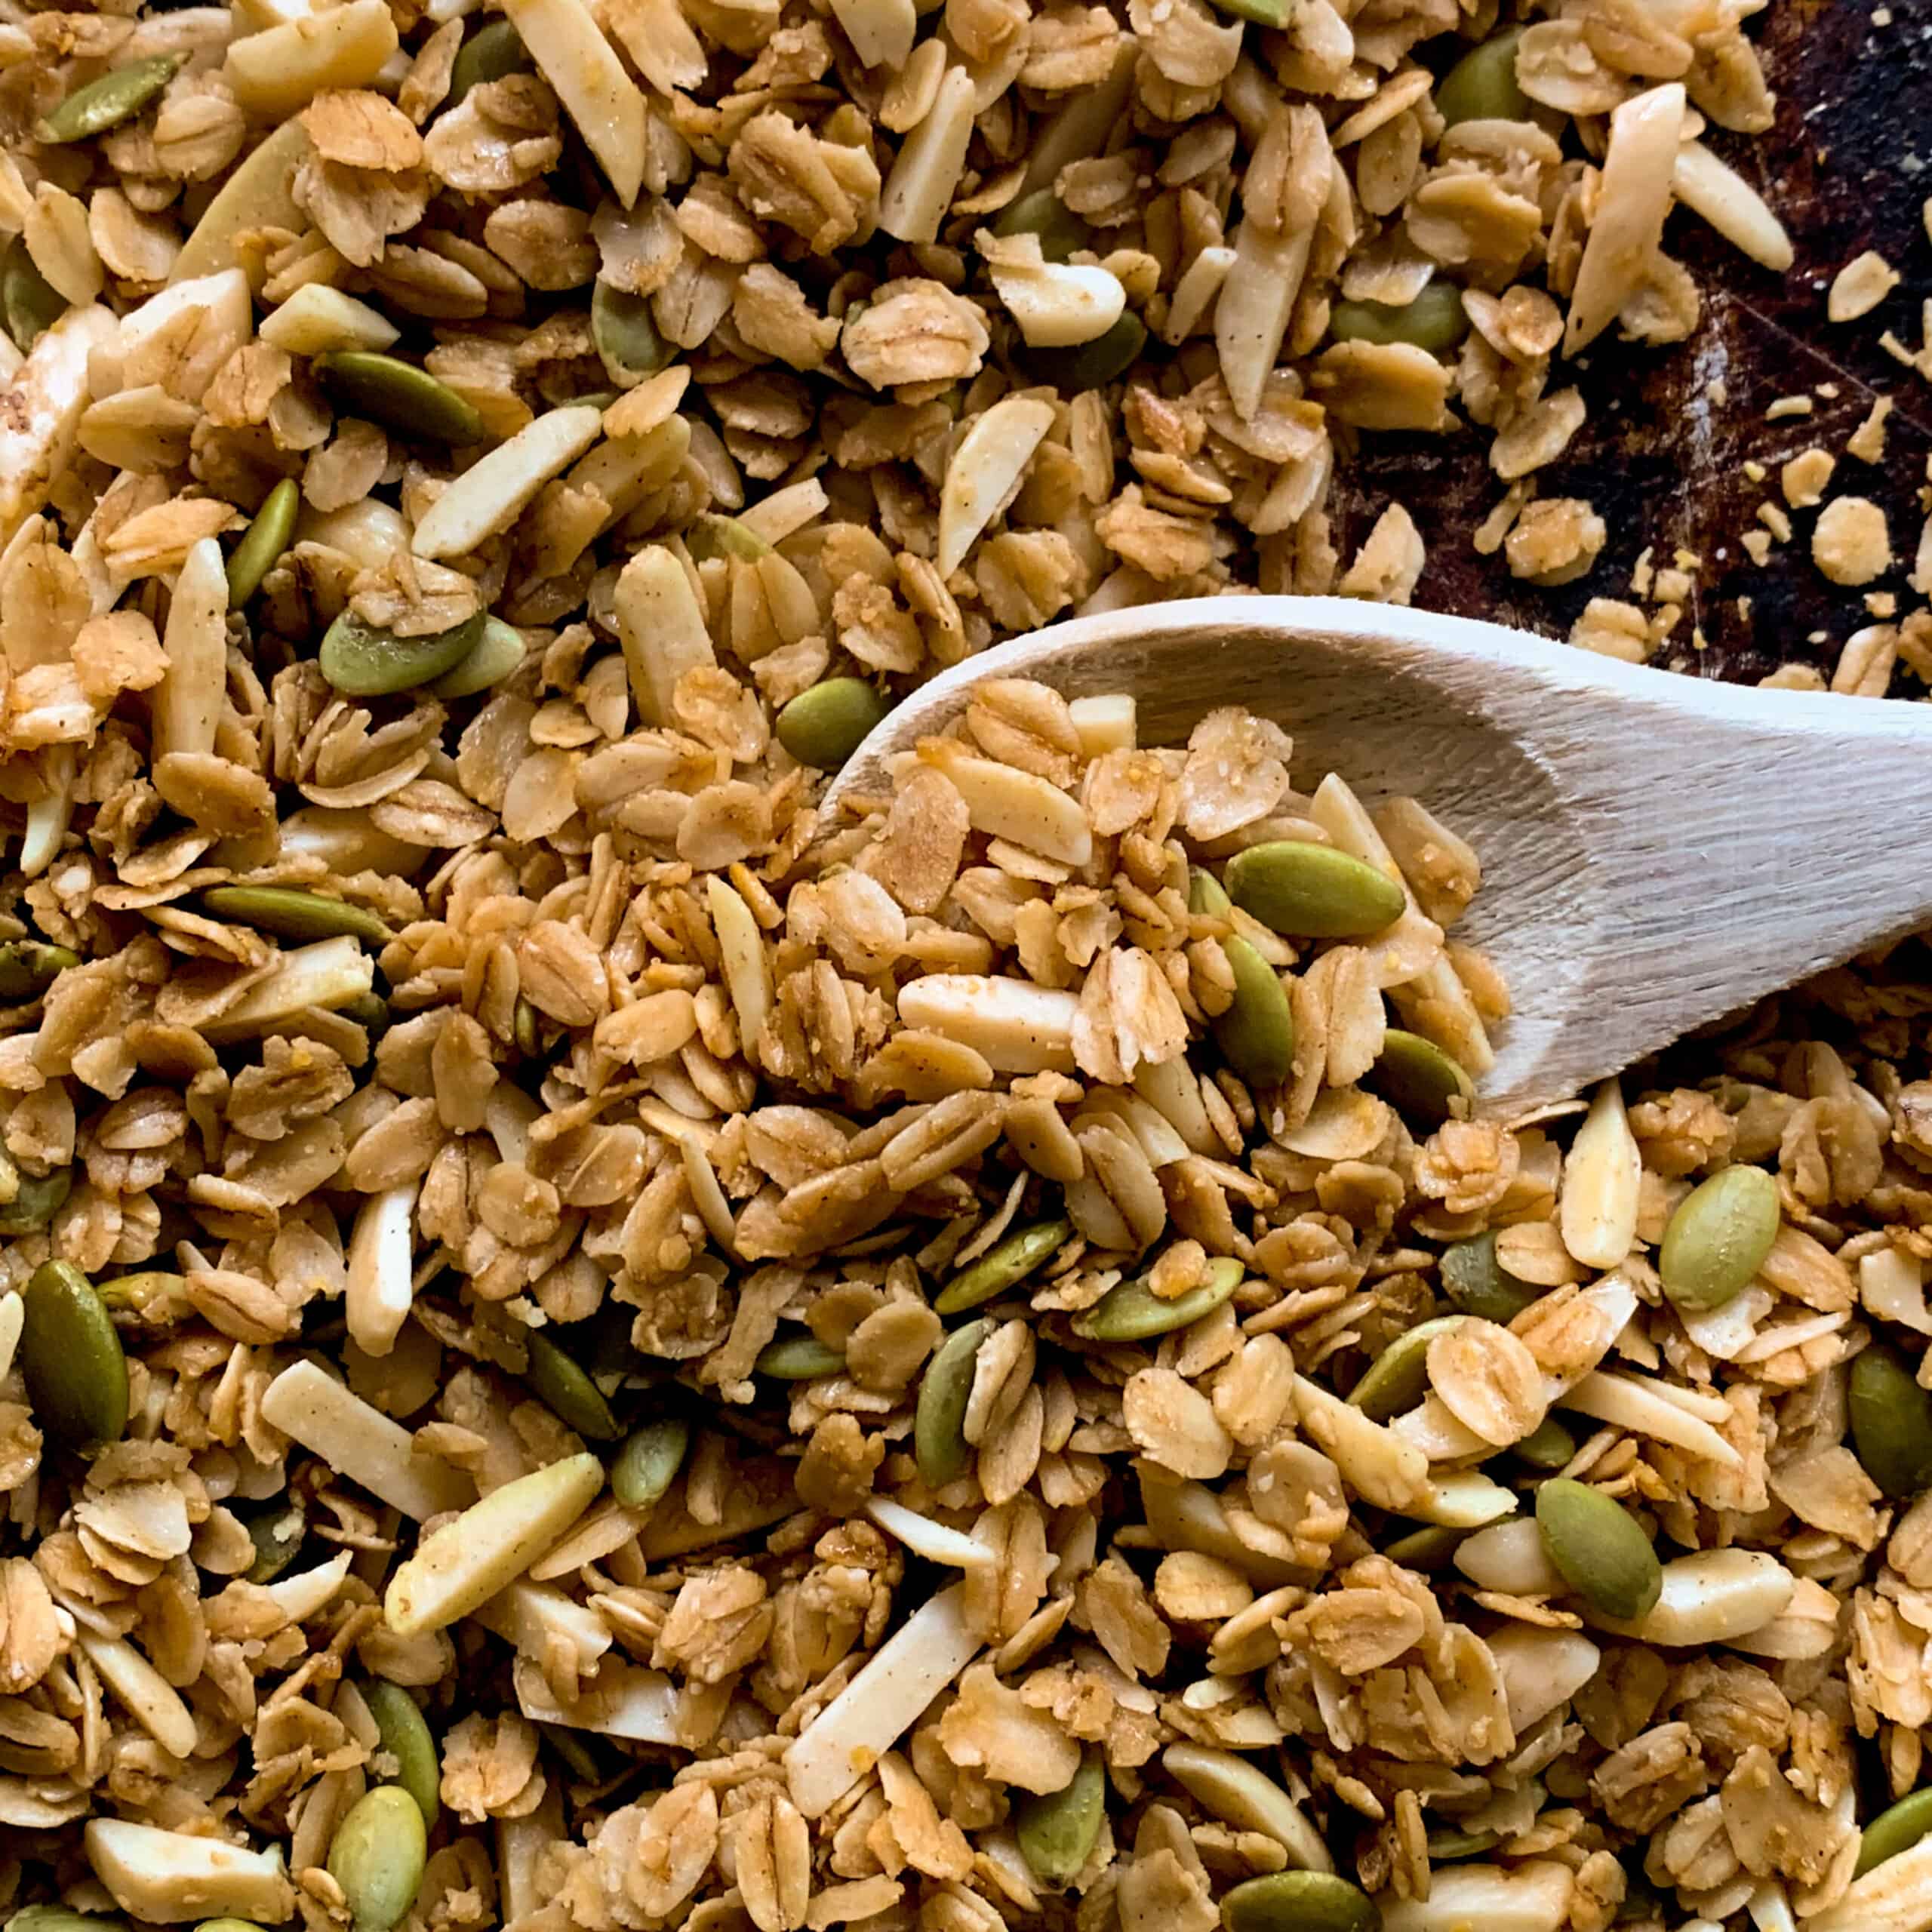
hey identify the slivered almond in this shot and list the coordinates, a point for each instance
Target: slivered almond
(1597, 1209)
(276, 74)
(1005, 802)
(662, 627)
(490, 495)
(358, 1440)
(1632, 200)
(985, 471)
(1018, 1026)
(604, 101)
(187, 702)
(919, 189)
(380, 1289)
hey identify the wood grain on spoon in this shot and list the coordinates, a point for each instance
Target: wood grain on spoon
(1658, 851)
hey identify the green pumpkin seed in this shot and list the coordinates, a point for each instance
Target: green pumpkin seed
(76, 1374)
(1057, 1830)
(360, 660)
(1479, 1285)
(277, 1535)
(1262, 13)
(1299, 1902)
(939, 1424)
(523, 1026)
(578, 1759)
(1548, 1446)
(1444, 1847)
(649, 1462)
(1435, 320)
(1090, 365)
(798, 1358)
(494, 53)
(1897, 1829)
(1599, 1547)
(1717, 1240)
(1428, 1547)
(1207, 895)
(405, 1736)
(369, 1010)
(118, 96)
(823, 726)
(398, 395)
(625, 336)
(266, 538)
(1043, 213)
(1005, 1265)
(1132, 1312)
(1397, 1379)
(711, 535)
(298, 917)
(1311, 891)
(377, 1857)
(498, 652)
(37, 1199)
(29, 303)
(1482, 86)
(58, 1918)
(228, 1925)
(1417, 1078)
(28, 967)
(1891, 1423)
(567, 1391)
(154, 1294)
(1257, 1033)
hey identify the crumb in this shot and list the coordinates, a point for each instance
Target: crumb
(1773, 517)
(1860, 286)
(1789, 405)
(1882, 603)
(1867, 442)
(1803, 479)
(1851, 543)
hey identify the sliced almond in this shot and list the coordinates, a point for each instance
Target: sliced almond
(662, 625)
(318, 318)
(985, 471)
(276, 74)
(604, 101)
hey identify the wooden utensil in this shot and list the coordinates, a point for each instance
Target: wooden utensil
(1658, 851)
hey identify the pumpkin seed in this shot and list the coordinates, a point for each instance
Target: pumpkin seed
(554, 1378)
(711, 535)
(1446, 1846)
(494, 53)
(1397, 1379)
(1090, 365)
(1262, 13)
(263, 542)
(1479, 1285)
(29, 304)
(1600, 1548)
(228, 1925)
(529, 1043)
(823, 727)
(155, 1294)
(1428, 1547)
(1004, 1266)
(1417, 1078)
(1131, 1312)
(1435, 320)
(1891, 1423)
(28, 967)
(1207, 895)
(939, 1424)
(1310, 891)
(118, 96)
(578, 1757)
(494, 656)
(798, 1358)
(397, 395)
(649, 1462)
(37, 1199)
(369, 1010)
(361, 661)
(298, 917)
(76, 1374)
(1548, 1446)
(377, 1857)
(625, 336)
(58, 1918)
(405, 1736)
(278, 1535)
(1043, 213)
(1897, 1829)
(1257, 1033)
(1299, 1902)
(1716, 1242)
(1482, 86)
(1057, 1830)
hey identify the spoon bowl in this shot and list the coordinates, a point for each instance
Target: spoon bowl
(1658, 851)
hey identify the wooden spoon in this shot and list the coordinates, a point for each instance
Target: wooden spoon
(1657, 850)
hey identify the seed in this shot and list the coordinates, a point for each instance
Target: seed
(1207, 895)
(118, 96)
(1479, 1285)
(298, 917)
(277, 1535)
(28, 967)
(1548, 1446)
(1299, 1902)
(397, 395)
(1005, 1265)
(360, 660)
(567, 1391)
(1482, 85)
(1600, 1548)
(711, 535)
(823, 727)
(405, 1736)
(1717, 1240)
(1397, 1379)
(939, 1425)
(1090, 365)
(1897, 1829)
(1445, 1846)
(37, 1199)
(498, 652)
(155, 1294)
(1057, 1830)
(1434, 321)
(1257, 1033)
(1427, 1547)
(625, 336)
(649, 1462)
(493, 52)
(262, 545)
(1132, 1312)
(798, 1358)
(1044, 214)
(1311, 891)
(378, 1856)
(76, 1375)
(1264, 13)
(228, 1925)
(1891, 1422)
(58, 1918)
(1417, 1078)
(369, 1010)
(29, 304)
(523, 1026)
